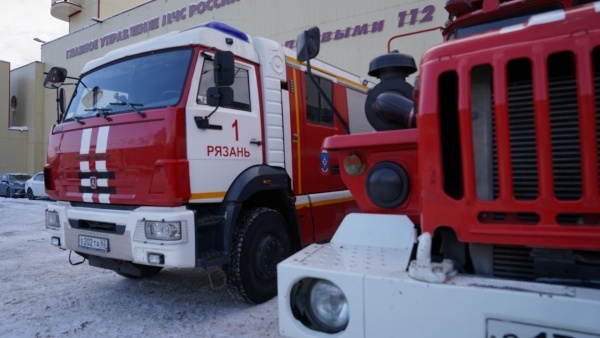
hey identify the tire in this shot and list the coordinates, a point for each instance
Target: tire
(30, 194)
(147, 271)
(260, 241)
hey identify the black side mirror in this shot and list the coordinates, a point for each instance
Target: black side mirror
(55, 78)
(61, 100)
(309, 43)
(219, 96)
(224, 68)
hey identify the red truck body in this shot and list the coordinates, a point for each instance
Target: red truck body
(503, 165)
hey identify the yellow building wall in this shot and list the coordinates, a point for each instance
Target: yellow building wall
(22, 134)
(100, 9)
(4, 92)
(349, 45)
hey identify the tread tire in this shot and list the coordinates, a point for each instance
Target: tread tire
(260, 241)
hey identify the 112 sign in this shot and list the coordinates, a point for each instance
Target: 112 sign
(416, 15)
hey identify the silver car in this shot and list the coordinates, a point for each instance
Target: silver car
(34, 187)
(13, 184)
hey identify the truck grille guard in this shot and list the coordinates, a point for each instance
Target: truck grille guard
(519, 129)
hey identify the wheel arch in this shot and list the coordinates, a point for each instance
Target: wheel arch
(263, 186)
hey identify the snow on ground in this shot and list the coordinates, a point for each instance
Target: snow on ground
(42, 295)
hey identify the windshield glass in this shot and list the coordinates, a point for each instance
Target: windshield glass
(139, 83)
(19, 177)
(503, 21)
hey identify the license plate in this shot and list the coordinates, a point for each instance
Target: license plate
(93, 243)
(497, 328)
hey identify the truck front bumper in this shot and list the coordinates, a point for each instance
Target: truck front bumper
(121, 234)
(384, 301)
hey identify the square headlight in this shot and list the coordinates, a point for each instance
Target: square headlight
(52, 220)
(164, 231)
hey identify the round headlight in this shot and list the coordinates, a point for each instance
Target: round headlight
(354, 164)
(387, 185)
(329, 306)
(320, 305)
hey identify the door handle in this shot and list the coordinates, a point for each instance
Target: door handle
(257, 142)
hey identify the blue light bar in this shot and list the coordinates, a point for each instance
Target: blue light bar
(236, 33)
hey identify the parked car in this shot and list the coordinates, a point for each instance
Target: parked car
(13, 184)
(34, 187)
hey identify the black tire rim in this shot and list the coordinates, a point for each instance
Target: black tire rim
(269, 253)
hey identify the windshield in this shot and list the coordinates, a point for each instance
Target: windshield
(502, 21)
(19, 177)
(139, 83)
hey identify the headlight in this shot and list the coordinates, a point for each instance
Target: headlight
(320, 305)
(387, 185)
(164, 231)
(52, 220)
(329, 305)
(354, 164)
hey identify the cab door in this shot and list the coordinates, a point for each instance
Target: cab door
(316, 173)
(231, 141)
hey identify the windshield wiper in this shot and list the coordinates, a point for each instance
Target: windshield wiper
(132, 105)
(104, 112)
(78, 119)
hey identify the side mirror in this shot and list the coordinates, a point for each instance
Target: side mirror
(308, 44)
(55, 78)
(224, 68)
(61, 100)
(219, 96)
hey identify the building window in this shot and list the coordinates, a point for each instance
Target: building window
(241, 87)
(318, 110)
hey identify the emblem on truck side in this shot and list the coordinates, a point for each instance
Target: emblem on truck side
(324, 161)
(94, 182)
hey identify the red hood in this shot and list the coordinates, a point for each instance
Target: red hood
(129, 160)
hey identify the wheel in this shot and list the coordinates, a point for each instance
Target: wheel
(147, 271)
(260, 241)
(30, 194)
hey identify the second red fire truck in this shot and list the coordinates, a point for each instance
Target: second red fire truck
(492, 161)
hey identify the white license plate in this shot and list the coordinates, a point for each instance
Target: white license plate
(497, 328)
(93, 243)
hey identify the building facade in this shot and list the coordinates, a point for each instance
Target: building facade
(353, 32)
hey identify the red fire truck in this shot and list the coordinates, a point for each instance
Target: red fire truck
(199, 148)
(492, 161)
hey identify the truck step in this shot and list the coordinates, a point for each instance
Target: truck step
(209, 221)
(211, 258)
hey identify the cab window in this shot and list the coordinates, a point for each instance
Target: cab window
(318, 110)
(241, 87)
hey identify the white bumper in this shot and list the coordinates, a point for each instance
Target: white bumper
(130, 245)
(385, 302)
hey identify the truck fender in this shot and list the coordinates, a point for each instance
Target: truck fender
(253, 180)
(258, 178)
